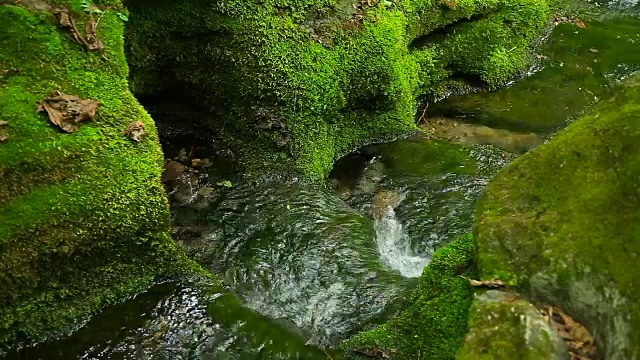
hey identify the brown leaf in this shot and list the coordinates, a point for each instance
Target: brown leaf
(91, 37)
(67, 111)
(3, 131)
(492, 284)
(90, 40)
(579, 340)
(451, 4)
(579, 23)
(135, 131)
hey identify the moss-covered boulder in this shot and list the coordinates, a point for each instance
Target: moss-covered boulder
(503, 327)
(83, 217)
(434, 322)
(310, 80)
(562, 223)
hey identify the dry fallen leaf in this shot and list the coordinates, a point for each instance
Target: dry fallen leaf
(579, 23)
(595, 51)
(451, 4)
(67, 111)
(3, 131)
(579, 340)
(135, 131)
(492, 284)
(90, 40)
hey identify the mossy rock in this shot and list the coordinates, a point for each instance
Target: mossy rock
(433, 324)
(84, 219)
(503, 327)
(562, 222)
(336, 81)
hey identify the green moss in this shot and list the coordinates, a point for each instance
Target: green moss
(501, 326)
(339, 83)
(571, 80)
(563, 219)
(83, 217)
(433, 325)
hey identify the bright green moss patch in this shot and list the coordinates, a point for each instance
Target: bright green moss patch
(434, 324)
(83, 217)
(564, 220)
(338, 80)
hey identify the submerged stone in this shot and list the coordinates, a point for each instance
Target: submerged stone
(562, 222)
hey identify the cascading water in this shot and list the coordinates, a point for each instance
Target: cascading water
(394, 244)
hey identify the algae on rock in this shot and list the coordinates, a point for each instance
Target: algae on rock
(502, 326)
(84, 219)
(562, 222)
(337, 79)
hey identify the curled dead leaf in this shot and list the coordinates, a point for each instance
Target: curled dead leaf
(451, 4)
(579, 23)
(3, 130)
(492, 284)
(90, 39)
(579, 340)
(67, 111)
(135, 131)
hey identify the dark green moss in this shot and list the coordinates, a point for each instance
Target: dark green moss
(83, 217)
(338, 82)
(433, 325)
(564, 221)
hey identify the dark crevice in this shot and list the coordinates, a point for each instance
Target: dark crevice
(438, 34)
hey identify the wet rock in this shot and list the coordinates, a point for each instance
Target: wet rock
(172, 170)
(474, 134)
(503, 327)
(382, 201)
(561, 223)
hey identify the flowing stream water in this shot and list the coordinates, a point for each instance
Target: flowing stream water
(304, 266)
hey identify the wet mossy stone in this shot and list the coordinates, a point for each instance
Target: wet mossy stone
(502, 327)
(84, 219)
(335, 81)
(434, 322)
(562, 223)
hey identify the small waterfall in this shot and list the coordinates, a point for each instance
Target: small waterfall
(394, 245)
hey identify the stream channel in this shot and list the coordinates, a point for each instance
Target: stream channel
(305, 266)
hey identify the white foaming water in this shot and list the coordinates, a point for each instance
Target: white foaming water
(395, 247)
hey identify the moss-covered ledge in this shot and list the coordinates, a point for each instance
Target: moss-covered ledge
(84, 219)
(303, 82)
(562, 222)
(434, 321)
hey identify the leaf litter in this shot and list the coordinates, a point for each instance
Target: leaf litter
(68, 111)
(90, 38)
(3, 130)
(579, 340)
(491, 284)
(135, 131)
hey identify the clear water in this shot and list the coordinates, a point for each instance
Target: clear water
(306, 266)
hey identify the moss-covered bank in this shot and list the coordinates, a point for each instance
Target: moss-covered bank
(562, 222)
(83, 217)
(434, 323)
(322, 77)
